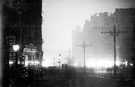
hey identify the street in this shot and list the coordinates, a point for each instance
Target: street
(76, 79)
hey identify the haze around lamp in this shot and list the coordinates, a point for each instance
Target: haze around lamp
(16, 48)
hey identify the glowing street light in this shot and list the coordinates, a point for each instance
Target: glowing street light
(16, 47)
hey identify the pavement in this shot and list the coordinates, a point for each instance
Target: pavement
(94, 81)
(79, 81)
(69, 78)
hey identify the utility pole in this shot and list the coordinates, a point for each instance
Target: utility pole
(114, 33)
(84, 46)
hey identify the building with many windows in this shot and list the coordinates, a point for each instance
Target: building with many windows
(22, 26)
(123, 19)
(22, 35)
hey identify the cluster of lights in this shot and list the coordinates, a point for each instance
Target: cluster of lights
(15, 48)
(97, 63)
(126, 63)
(31, 62)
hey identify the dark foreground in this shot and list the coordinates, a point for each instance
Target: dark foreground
(69, 77)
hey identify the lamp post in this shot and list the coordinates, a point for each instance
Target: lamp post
(16, 49)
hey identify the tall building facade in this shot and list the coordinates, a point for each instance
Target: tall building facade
(102, 44)
(22, 35)
(22, 26)
(125, 21)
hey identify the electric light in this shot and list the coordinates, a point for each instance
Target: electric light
(16, 47)
(11, 62)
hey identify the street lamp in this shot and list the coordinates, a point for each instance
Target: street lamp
(16, 48)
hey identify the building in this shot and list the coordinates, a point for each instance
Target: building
(22, 35)
(102, 44)
(22, 26)
(125, 20)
